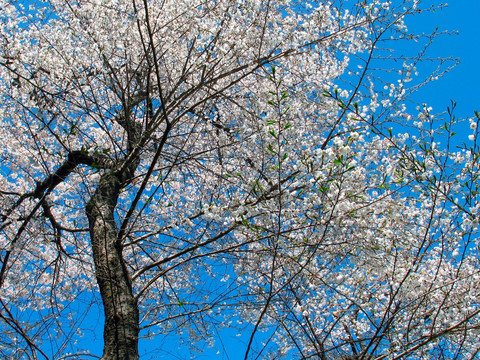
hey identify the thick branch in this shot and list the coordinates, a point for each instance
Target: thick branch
(44, 188)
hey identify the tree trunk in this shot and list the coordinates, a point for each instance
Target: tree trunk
(120, 307)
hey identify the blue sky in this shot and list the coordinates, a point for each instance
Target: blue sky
(462, 84)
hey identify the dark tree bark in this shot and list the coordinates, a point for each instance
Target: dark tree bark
(120, 306)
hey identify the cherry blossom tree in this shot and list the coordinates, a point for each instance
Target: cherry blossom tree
(190, 166)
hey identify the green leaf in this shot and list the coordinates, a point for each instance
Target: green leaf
(339, 160)
(270, 148)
